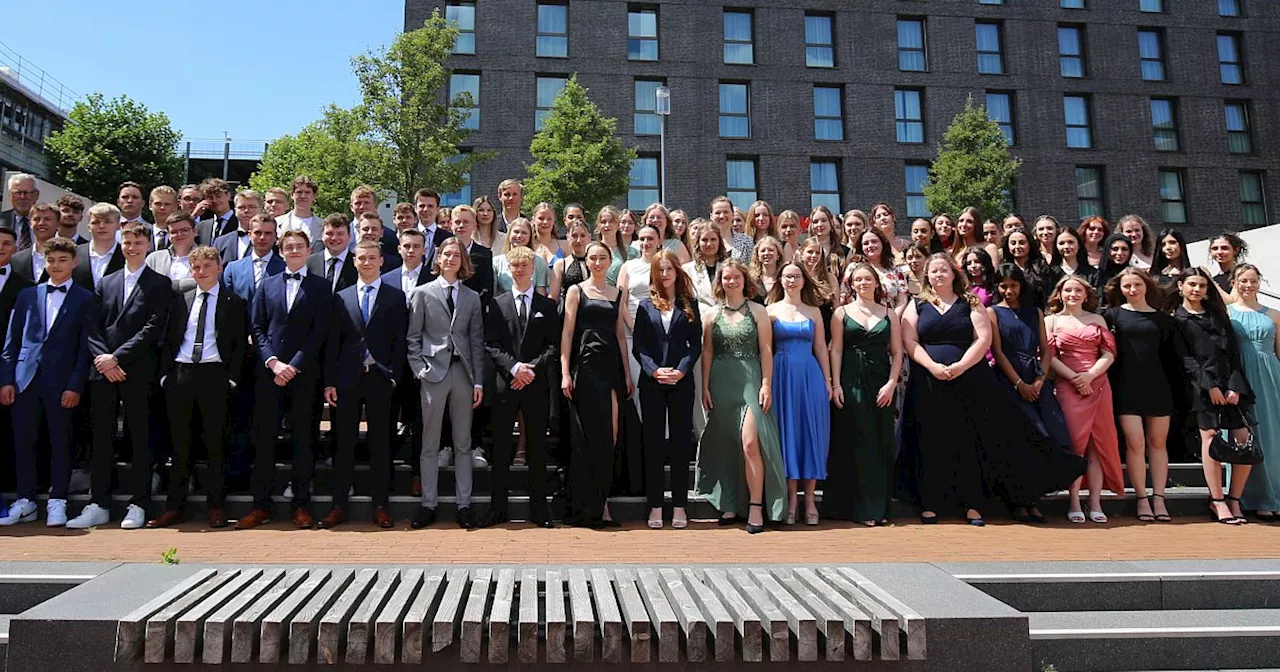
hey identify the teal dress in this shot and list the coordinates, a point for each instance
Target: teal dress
(1256, 334)
(620, 256)
(502, 274)
(735, 391)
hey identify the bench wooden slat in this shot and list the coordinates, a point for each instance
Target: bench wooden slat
(422, 609)
(745, 619)
(583, 617)
(303, 629)
(771, 617)
(386, 626)
(556, 619)
(190, 626)
(830, 625)
(607, 615)
(909, 621)
(500, 616)
(358, 627)
(799, 619)
(688, 615)
(860, 618)
(217, 627)
(471, 638)
(527, 632)
(161, 624)
(713, 612)
(249, 623)
(333, 623)
(662, 615)
(273, 624)
(448, 617)
(131, 630)
(635, 618)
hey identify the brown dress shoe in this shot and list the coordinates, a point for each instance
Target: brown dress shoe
(166, 519)
(334, 518)
(254, 519)
(302, 518)
(416, 489)
(382, 518)
(217, 517)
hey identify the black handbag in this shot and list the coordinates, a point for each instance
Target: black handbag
(1227, 450)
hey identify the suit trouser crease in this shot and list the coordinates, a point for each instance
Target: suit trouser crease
(192, 389)
(454, 395)
(533, 401)
(371, 394)
(108, 397)
(35, 405)
(674, 403)
(295, 398)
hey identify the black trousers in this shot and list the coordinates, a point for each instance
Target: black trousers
(406, 406)
(295, 398)
(372, 395)
(193, 390)
(506, 405)
(108, 397)
(674, 403)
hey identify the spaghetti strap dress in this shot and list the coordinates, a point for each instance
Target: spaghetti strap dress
(1020, 343)
(1256, 335)
(800, 401)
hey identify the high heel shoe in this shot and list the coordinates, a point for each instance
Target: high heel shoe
(1161, 517)
(1240, 517)
(756, 529)
(811, 518)
(1146, 517)
(1213, 514)
(791, 517)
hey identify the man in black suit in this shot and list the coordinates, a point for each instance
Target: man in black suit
(522, 334)
(10, 284)
(332, 261)
(235, 244)
(133, 309)
(42, 221)
(207, 335)
(101, 255)
(365, 350)
(214, 212)
(290, 322)
(23, 193)
(370, 228)
(407, 404)
(426, 204)
(129, 200)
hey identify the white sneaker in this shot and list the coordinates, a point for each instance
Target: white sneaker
(446, 457)
(56, 513)
(288, 491)
(79, 482)
(134, 518)
(478, 460)
(21, 511)
(90, 516)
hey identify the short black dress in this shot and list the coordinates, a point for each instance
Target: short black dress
(1211, 358)
(1145, 351)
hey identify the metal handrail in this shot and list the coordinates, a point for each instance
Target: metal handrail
(47, 88)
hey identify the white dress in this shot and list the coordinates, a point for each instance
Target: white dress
(706, 304)
(637, 289)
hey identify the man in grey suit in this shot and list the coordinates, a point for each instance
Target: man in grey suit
(446, 353)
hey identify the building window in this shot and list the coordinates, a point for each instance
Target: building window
(824, 184)
(1090, 192)
(1151, 5)
(916, 175)
(908, 115)
(1151, 53)
(1253, 203)
(1230, 63)
(1173, 203)
(1071, 51)
(464, 82)
(644, 190)
(1079, 126)
(553, 30)
(1000, 110)
(990, 2)
(819, 41)
(911, 50)
(735, 116)
(741, 181)
(1229, 8)
(1164, 124)
(828, 113)
(548, 89)
(1239, 137)
(462, 195)
(1072, 4)
(738, 48)
(645, 119)
(990, 58)
(462, 15)
(642, 33)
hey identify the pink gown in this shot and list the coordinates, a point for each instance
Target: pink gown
(1090, 420)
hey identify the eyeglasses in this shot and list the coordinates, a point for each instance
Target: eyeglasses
(23, 192)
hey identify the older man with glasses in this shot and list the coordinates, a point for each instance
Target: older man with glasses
(23, 193)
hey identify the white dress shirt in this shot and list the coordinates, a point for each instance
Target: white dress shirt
(179, 267)
(209, 347)
(337, 269)
(409, 279)
(52, 304)
(5, 272)
(98, 262)
(246, 244)
(130, 282)
(37, 264)
(291, 287)
(525, 297)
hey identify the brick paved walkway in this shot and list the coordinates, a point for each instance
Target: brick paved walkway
(703, 542)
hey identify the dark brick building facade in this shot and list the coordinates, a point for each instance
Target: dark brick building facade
(1171, 107)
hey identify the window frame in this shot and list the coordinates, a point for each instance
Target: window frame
(1071, 4)
(1168, 134)
(829, 46)
(1237, 4)
(1009, 126)
(1144, 4)
(1158, 60)
(905, 123)
(1246, 205)
(746, 114)
(539, 35)
(539, 111)
(818, 196)
(639, 39)
(1181, 201)
(998, 27)
(460, 4)
(923, 50)
(1237, 43)
(1080, 56)
(916, 197)
(655, 188)
(1100, 186)
(1088, 119)
(750, 42)
(637, 112)
(838, 118)
(1246, 133)
(754, 192)
(472, 121)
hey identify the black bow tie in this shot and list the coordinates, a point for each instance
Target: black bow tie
(4, 271)
(241, 233)
(58, 288)
(293, 276)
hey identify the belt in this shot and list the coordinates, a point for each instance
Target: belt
(190, 365)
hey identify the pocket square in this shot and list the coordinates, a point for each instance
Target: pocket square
(537, 315)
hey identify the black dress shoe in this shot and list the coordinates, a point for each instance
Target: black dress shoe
(493, 517)
(465, 518)
(545, 523)
(424, 518)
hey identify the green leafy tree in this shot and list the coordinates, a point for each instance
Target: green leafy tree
(577, 156)
(106, 142)
(418, 129)
(973, 168)
(334, 151)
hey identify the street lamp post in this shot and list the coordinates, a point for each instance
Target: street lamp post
(663, 110)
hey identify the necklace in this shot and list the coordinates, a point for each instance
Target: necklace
(739, 309)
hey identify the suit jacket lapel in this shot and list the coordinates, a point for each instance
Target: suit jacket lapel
(42, 294)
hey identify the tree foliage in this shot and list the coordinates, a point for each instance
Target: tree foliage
(106, 142)
(577, 155)
(417, 129)
(973, 168)
(334, 151)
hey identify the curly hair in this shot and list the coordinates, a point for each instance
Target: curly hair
(1090, 294)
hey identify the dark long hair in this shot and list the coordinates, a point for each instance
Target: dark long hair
(988, 269)
(1115, 297)
(1160, 261)
(1109, 269)
(1012, 272)
(1212, 302)
(1082, 255)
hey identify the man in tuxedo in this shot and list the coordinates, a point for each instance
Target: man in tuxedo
(42, 376)
(366, 346)
(101, 255)
(164, 202)
(371, 228)
(522, 335)
(23, 193)
(10, 284)
(405, 399)
(133, 311)
(511, 193)
(332, 261)
(42, 223)
(234, 244)
(290, 321)
(276, 202)
(301, 217)
(446, 353)
(70, 213)
(214, 211)
(200, 364)
(129, 200)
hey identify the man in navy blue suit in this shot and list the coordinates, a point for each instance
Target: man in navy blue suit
(370, 227)
(290, 321)
(42, 375)
(133, 308)
(244, 275)
(407, 404)
(365, 349)
(11, 284)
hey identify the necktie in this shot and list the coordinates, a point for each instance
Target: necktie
(259, 269)
(163, 243)
(197, 350)
(522, 316)
(63, 289)
(448, 298)
(364, 303)
(24, 233)
(328, 275)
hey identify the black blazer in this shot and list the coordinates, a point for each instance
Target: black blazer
(541, 338)
(230, 323)
(294, 336)
(9, 219)
(349, 337)
(9, 295)
(347, 275)
(656, 348)
(82, 274)
(209, 227)
(132, 331)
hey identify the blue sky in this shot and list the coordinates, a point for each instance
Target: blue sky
(255, 69)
